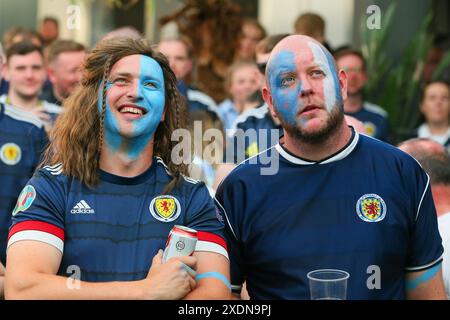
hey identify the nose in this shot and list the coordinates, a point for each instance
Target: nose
(29, 73)
(133, 92)
(306, 88)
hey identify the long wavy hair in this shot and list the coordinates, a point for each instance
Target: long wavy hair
(224, 20)
(77, 136)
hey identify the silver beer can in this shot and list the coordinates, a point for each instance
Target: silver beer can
(181, 242)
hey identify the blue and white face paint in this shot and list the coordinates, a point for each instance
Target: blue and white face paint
(135, 100)
(284, 86)
(302, 78)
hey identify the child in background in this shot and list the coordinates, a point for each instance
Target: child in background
(243, 78)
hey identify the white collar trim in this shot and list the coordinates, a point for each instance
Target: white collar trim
(339, 156)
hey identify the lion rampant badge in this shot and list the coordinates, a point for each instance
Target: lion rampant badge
(165, 208)
(371, 208)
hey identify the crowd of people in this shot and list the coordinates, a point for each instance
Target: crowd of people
(91, 173)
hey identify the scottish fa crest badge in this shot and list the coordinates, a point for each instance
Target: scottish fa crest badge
(371, 208)
(10, 153)
(371, 130)
(165, 208)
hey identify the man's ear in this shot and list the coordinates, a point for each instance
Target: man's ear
(267, 96)
(343, 84)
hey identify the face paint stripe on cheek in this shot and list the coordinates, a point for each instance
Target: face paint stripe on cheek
(337, 86)
(285, 99)
(328, 85)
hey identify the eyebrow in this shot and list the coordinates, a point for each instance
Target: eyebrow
(281, 69)
(130, 75)
(122, 74)
(322, 65)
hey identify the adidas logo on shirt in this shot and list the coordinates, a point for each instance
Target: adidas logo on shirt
(82, 207)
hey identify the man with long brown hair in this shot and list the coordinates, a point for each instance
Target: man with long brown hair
(102, 206)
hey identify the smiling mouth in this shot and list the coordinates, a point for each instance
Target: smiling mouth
(131, 109)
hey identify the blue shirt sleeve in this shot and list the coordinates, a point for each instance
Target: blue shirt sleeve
(39, 212)
(425, 242)
(202, 216)
(230, 204)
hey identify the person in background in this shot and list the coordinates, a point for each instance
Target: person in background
(65, 66)
(252, 33)
(435, 160)
(16, 35)
(26, 75)
(179, 52)
(123, 32)
(312, 25)
(214, 28)
(374, 117)
(49, 30)
(243, 78)
(435, 107)
(20, 34)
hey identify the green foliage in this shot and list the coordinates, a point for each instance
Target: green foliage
(372, 47)
(396, 88)
(442, 65)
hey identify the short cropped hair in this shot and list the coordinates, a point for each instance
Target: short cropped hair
(310, 24)
(51, 19)
(267, 44)
(347, 51)
(432, 156)
(234, 67)
(438, 168)
(61, 46)
(185, 41)
(425, 87)
(22, 48)
(255, 23)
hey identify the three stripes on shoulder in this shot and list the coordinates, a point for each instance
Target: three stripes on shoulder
(54, 170)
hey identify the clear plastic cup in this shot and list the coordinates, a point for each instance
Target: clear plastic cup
(328, 284)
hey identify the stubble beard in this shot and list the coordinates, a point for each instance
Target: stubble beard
(333, 123)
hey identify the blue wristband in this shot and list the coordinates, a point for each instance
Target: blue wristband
(215, 275)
